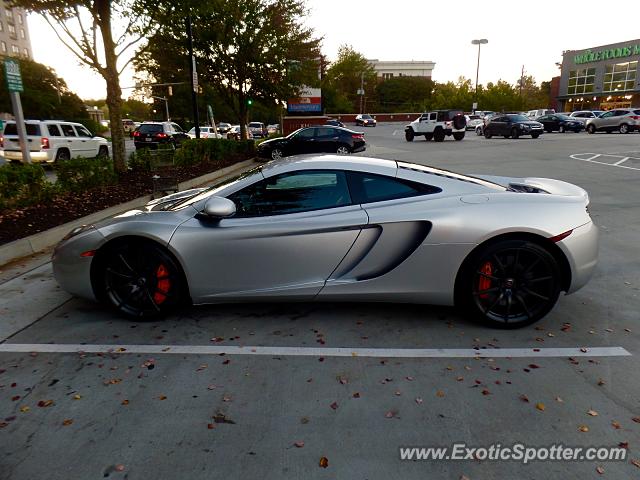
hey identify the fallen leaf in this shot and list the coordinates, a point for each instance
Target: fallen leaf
(389, 414)
(409, 379)
(334, 405)
(583, 428)
(119, 468)
(202, 367)
(25, 409)
(616, 425)
(67, 422)
(45, 403)
(600, 470)
(559, 400)
(624, 445)
(343, 380)
(635, 462)
(226, 398)
(3, 424)
(466, 367)
(486, 392)
(398, 393)
(600, 382)
(459, 379)
(583, 350)
(226, 362)
(440, 393)
(124, 402)
(356, 395)
(636, 419)
(162, 397)
(324, 462)
(464, 477)
(304, 420)
(211, 426)
(540, 406)
(299, 444)
(77, 397)
(524, 398)
(449, 368)
(419, 400)
(533, 365)
(593, 413)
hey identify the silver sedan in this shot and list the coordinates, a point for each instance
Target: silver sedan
(334, 228)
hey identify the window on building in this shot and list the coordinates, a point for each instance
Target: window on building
(26, 53)
(4, 46)
(20, 20)
(9, 13)
(1, 27)
(581, 81)
(22, 34)
(12, 29)
(15, 49)
(621, 76)
(387, 76)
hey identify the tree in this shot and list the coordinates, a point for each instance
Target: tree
(404, 94)
(344, 78)
(45, 94)
(85, 27)
(246, 50)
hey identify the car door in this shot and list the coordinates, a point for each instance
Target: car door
(178, 134)
(498, 126)
(326, 140)
(545, 120)
(71, 140)
(289, 233)
(303, 142)
(87, 146)
(554, 122)
(606, 120)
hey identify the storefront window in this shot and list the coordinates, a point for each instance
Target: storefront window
(619, 77)
(581, 81)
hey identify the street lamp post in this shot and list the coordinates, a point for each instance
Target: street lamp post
(166, 105)
(478, 42)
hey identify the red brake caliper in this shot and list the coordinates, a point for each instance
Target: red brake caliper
(484, 283)
(164, 284)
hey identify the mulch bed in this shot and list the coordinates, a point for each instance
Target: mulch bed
(20, 223)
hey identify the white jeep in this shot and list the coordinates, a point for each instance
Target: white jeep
(437, 125)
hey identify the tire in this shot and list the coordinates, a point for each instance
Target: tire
(509, 284)
(591, 129)
(561, 129)
(428, 136)
(408, 135)
(343, 150)
(276, 154)
(139, 279)
(506, 136)
(624, 128)
(459, 122)
(535, 135)
(103, 152)
(458, 135)
(515, 133)
(487, 134)
(438, 135)
(62, 155)
(479, 131)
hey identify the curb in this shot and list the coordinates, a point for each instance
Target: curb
(23, 247)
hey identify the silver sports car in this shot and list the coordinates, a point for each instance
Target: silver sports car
(335, 228)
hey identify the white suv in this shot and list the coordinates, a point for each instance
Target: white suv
(52, 140)
(437, 125)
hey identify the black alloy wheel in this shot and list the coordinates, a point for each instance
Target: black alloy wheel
(438, 135)
(62, 155)
(140, 280)
(428, 136)
(511, 284)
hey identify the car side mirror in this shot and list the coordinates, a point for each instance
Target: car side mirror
(219, 207)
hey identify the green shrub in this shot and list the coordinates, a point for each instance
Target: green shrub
(23, 184)
(78, 174)
(147, 159)
(218, 151)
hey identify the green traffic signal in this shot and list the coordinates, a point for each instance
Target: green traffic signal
(249, 102)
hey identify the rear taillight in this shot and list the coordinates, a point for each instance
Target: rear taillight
(44, 143)
(136, 133)
(161, 135)
(357, 136)
(562, 236)
(1, 142)
(635, 117)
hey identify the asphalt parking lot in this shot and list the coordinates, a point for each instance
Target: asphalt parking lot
(271, 391)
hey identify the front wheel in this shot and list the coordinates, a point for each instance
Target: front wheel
(515, 133)
(140, 280)
(509, 284)
(428, 136)
(535, 135)
(487, 134)
(591, 129)
(276, 154)
(438, 136)
(343, 150)
(561, 129)
(408, 135)
(103, 152)
(458, 135)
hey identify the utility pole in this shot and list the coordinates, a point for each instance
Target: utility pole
(361, 91)
(521, 80)
(194, 78)
(13, 78)
(481, 41)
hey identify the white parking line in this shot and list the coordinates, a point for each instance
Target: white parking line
(315, 352)
(591, 157)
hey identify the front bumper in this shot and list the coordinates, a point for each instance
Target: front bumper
(581, 250)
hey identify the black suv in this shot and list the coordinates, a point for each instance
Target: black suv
(512, 125)
(152, 134)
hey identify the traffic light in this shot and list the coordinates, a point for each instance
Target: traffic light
(249, 102)
(170, 91)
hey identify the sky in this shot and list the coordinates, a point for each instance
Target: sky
(438, 31)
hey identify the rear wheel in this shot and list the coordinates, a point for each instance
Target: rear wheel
(591, 129)
(140, 280)
(515, 133)
(458, 135)
(62, 155)
(438, 135)
(624, 128)
(343, 150)
(510, 284)
(276, 154)
(103, 152)
(408, 135)
(428, 136)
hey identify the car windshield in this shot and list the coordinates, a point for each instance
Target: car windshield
(366, 117)
(518, 118)
(150, 128)
(214, 189)
(255, 125)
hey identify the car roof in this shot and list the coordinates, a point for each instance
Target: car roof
(340, 162)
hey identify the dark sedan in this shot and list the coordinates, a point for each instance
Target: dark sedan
(334, 123)
(153, 134)
(512, 125)
(318, 139)
(560, 123)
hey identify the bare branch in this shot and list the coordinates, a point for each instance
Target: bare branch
(129, 45)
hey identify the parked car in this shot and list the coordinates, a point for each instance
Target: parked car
(623, 120)
(473, 121)
(153, 134)
(334, 123)
(52, 140)
(437, 125)
(273, 128)
(316, 139)
(584, 115)
(205, 132)
(258, 129)
(234, 133)
(560, 123)
(335, 228)
(365, 120)
(533, 114)
(512, 125)
(224, 127)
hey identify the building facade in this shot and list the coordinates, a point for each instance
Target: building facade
(390, 69)
(600, 78)
(15, 40)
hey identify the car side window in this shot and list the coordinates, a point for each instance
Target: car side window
(370, 187)
(176, 128)
(621, 113)
(433, 116)
(606, 115)
(54, 131)
(83, 132)
(68, 130)
(306, 133)
(293, 193)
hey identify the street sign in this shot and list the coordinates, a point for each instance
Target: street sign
(12, 75)
(361, 91)
(475, 106)
(194, 77)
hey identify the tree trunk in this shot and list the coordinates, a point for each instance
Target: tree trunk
(114, 93)
(244, 114)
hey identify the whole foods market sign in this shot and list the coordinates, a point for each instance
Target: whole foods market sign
(607, 54)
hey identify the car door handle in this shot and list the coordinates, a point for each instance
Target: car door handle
(69, 141)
